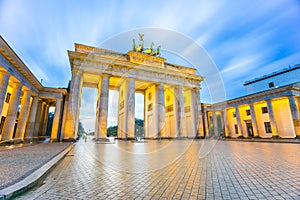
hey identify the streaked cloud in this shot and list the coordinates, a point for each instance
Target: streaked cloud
(245, 39)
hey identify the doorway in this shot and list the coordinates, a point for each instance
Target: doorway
(250, 129)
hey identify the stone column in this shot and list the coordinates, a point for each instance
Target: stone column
(38, 117)
(56, 119)
(215, 123)
(272, 118)
(45, 122)
(181, 113)
(31, 121)
(102, 108)
(161, 115)
(206, 123)
(198, 117)
(238, 120)
(299, 104)
(42, 117)
(130, 99)
(254, 121)
(4, 78)
(225, 123)
(23, 117)
(176, 113)
(295, 115)
(72, 118)
(11, 116)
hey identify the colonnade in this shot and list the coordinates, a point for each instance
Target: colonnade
(24, 115)
(163, 119)
(271, 117)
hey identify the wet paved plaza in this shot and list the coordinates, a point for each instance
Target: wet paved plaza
(175, 169)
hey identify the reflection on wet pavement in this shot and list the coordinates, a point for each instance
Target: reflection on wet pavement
(175, 169)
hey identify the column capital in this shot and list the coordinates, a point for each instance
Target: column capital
(105, 75)
(4, 72)
(60, 100)
(160, 85)
(76, 71)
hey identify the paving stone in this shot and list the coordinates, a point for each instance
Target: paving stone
(231, 170)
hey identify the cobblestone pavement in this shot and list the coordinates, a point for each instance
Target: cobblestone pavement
(18, 161)
(175, 169)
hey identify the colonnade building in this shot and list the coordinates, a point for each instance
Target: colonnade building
(171, 92)
(172, 107)
(271, 109)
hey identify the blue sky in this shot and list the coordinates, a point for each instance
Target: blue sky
(245, 39)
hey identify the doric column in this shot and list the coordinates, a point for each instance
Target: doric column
(198, 116)
(130, 108)
(181, 114)
(38, 119)
(176, 113)
(254, 121)
(225, 121)
(45, 122)
(42, 118)
(272, 118)
(161, 119)
(4, 78)
(238, 120)
(56, 119)
(295, 114)
(102, 108)
(72, 118)
(206, 122)
(10, 121)
(31, 121)
(23, 117)
(215, 123)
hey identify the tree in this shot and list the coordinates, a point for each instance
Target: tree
(80, 129)
(112, 131)
(49, 124)
(139, 129)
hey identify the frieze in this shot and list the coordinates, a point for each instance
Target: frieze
(147, 74)
(144, 59)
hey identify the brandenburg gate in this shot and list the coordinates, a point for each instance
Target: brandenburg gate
(172, 106)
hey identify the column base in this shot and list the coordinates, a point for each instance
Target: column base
(69, 140)
(104, 140)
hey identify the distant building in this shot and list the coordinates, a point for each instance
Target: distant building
(277, 79)
(271, 109)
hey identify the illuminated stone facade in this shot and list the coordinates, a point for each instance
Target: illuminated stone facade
(172, 102)
(172, 107)
(271, 113)
(24, 102)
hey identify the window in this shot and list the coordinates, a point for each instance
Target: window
(247, 112)
(268, 127)
(271, 84)
(264, 110)
(150, 107)
(236, 129)
(2, 123)
(234, 115)
(7, 97)
(169, 108)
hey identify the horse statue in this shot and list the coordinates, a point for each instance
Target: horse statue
(156, 52)
(150, 49)
(140, 47)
